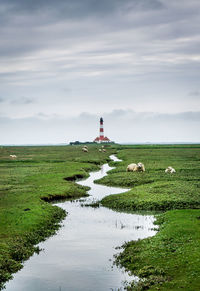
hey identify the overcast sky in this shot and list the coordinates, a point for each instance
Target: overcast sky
(66, 63)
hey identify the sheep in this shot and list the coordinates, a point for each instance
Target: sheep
(104, 150)
(100, 150)
(102, 146)
(170, 170)
(85, 147)
(135, 167)
(131, 168)
(13, 156)
(85, 150)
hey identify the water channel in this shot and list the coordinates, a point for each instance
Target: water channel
(80, 256)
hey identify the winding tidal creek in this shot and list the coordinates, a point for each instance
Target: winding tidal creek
(80, 256)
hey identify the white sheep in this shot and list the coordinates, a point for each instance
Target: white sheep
(104, 150)
(85, 147)
(131, 167)
(13, 156)
(100, 150)
(85, 150)
(170, 170)
(135, 167)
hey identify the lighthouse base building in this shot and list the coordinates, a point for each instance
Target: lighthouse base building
(101, 138)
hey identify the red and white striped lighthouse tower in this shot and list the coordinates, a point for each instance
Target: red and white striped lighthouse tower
(101, 131)
(101, 137)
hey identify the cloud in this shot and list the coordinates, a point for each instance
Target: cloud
(22, 101)
(78, 8)
(32, 26)
(120, 126)
(190, 116)
(131, 115)
(137, 54)
(195, 93)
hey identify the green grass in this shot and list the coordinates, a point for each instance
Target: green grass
(154, 189)
(169, 260)
(37, 175)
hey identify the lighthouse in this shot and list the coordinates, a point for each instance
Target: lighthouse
(101, 131)
(101, 137)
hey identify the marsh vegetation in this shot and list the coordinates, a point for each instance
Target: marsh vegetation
(167, 261)
(170, 259)
(37, 175)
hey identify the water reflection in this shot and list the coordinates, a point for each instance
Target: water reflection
(80, 256)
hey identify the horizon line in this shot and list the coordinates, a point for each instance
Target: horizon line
(123, 143)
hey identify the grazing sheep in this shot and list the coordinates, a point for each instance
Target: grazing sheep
(102, 146)
(13, 156)
(104, 150)
(85, 150)
(85, 147)
(100, 150)
(131, 168)
(170, 170)
(135, 168)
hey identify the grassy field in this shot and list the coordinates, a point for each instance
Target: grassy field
(37, 175)
(154, 189)
(170, 260)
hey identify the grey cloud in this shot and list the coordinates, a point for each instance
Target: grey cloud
(183, 116)
(3, 99)
(79, 7)
(128, 114)
(191, 116)
(37, 25)
(195, 93)
(138, 54)
(41, 25)
(67, 90)
(145, 116)
(22, 101)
